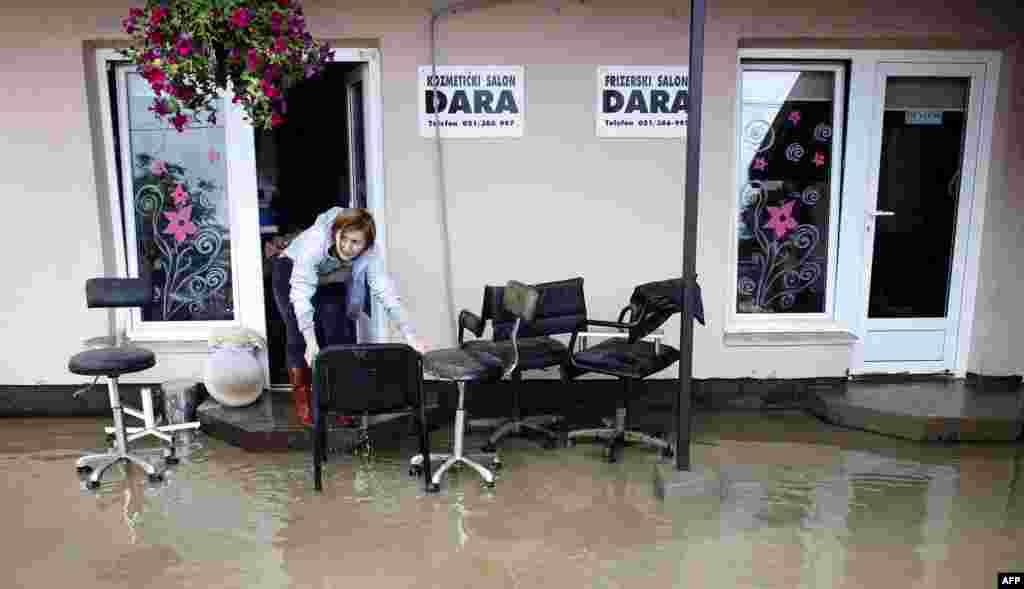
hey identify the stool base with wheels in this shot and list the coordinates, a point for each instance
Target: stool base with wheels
(457, 456)
(97, 464)
(149, 427)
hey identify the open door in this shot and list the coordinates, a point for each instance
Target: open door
(356, 102)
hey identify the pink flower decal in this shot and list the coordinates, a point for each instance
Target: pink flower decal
(179, 223)
(213, 155)
(819, 159)
(794, 117)
(158, 167)
(760, 164)
(781, 220)
(180, 196)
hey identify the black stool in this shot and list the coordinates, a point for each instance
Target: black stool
(112, 362)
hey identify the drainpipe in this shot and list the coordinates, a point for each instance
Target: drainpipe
(443, 9)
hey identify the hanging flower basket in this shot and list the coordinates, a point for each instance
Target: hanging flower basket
(190, 50)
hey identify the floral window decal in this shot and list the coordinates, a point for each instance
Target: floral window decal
(785, 191)
(181, 235)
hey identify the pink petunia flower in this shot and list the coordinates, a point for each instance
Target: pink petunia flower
(760, 164)
(158, 167)
(179, 224)
(179, 121)
(819, 159)
(213, 155)
(180, 196)
(781, 219)
(794, 117)
(240, 18)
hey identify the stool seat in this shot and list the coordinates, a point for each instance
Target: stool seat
(459, 364)
(111, 361)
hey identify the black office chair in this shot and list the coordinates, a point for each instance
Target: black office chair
(112, 362)
(466, 364)
(629, 357)
(562, 309)
(365, 379)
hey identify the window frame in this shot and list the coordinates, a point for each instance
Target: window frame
(789, 328)
(239, 157)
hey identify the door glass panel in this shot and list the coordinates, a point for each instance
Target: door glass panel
(923, 131)
(179, 211)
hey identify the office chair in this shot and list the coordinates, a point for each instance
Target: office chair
(630, 355)
(561, 310)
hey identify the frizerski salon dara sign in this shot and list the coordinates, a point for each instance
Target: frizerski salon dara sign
(490, 101)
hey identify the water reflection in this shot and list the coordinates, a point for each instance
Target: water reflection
(801, 505)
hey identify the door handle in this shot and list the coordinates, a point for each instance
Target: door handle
(881, 213)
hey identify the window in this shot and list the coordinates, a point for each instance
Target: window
(182, 208)
(790, 150)
(174, 196)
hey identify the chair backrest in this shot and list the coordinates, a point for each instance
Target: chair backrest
(370, 378)
(652, 303)
(118, 292)
(560, 310)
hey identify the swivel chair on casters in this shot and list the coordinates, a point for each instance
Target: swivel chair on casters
(466, 364)
(630, 358)
(561, 310)
(112, 362)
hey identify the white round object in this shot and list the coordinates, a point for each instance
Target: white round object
(234, 375)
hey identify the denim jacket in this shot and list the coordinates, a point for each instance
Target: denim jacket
(309, 252)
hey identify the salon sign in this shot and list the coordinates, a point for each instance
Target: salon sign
(471, 101)
(642, 101)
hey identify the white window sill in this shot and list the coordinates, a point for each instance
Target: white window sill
(788, 333)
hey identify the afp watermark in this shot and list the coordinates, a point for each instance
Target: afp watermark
(1006, 580)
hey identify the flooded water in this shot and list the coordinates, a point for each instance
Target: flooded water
(802, 504)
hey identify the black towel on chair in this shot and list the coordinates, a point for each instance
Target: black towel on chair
(660, 300)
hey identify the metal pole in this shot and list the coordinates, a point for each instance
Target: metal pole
(684, 400)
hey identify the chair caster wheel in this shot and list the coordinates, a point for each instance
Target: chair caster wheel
(550, 444)
(415, 471)
(496, 465)
(433, 488)
(668, 453)
(489, 448)
(569, 443)
(612, 455)
(92, 485)
(171, 460)
(155, 478)
(489, 484)
(84, 469)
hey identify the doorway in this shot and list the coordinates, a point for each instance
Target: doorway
(315, 160)
(918, 215)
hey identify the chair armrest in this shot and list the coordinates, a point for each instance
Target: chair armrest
(616, 324)
(472, 322)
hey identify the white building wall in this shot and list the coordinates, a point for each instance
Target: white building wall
(556, 203)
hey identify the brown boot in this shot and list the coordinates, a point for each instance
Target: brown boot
(302, 389)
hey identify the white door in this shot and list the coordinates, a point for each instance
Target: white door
(925, 151)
